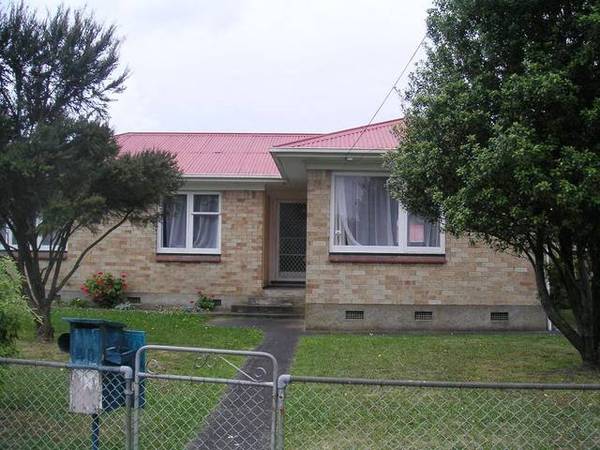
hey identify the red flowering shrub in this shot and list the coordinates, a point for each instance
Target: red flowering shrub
(105, 289)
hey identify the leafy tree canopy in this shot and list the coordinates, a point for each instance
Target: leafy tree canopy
(60, 168)
(502, 136)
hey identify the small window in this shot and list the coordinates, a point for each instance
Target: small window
(499, 316)
(191, 224)
(355, 315)
(423, 315)
(44, 242)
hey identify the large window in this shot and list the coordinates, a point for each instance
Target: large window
(191, 224)
(43, 243)
(367, 220)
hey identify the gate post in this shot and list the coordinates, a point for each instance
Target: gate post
(282, 383)
(128, 375)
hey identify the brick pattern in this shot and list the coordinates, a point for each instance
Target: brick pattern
(472, 275)
(130, 249)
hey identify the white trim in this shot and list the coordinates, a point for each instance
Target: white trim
(290, 151)
(402, 247)
(233, 177)
(189, 230)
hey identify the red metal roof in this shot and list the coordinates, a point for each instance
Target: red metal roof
(247, 154)
(215, 154)
(377, 136)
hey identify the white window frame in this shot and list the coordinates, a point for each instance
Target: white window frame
(189, 228)
(9, 235)
(401, 248)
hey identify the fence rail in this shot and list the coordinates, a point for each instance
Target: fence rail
(231, 406)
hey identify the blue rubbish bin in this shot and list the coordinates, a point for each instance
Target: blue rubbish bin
(99, 342)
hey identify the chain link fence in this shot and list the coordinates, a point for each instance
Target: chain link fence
(38, 410)
(323, 413)
(228, 402)
(160, 409)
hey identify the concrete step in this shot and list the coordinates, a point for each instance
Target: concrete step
(257, 315)
(276, 301)
(258, 308)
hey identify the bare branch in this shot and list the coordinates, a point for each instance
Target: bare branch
(90, 247)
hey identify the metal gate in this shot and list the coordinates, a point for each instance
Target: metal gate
(223, 399)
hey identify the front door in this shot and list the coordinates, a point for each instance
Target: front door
(291, 241)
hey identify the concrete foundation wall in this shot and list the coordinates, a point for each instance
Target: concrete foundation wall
(473, 279)
(326, 317)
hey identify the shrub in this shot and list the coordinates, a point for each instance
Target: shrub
(78, 302)
(105, 289)
(204, 302)
(13, 306)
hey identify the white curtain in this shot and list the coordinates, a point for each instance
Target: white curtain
(206, 228)
(174, 222)
(365, 214)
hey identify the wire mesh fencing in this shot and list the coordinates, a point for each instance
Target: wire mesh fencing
(367, 414)
(39, 409)
(201, 415)
(216, 399)
(227, 400)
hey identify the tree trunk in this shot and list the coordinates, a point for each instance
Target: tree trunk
(45, 331)
(590, 353)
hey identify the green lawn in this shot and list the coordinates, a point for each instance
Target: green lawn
(34, 401)
(320, 416)
(515, 357)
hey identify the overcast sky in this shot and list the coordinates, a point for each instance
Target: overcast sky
(258, 65)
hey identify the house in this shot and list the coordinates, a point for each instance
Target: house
(305, 219)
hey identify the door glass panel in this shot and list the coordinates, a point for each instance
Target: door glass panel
(292, 240)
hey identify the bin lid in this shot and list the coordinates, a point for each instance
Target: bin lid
(83, 322)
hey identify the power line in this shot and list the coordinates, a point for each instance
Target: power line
(387, 96)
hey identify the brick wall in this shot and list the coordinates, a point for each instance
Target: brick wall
(133, 250)
(472, 275)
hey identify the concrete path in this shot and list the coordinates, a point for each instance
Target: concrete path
(242, 420)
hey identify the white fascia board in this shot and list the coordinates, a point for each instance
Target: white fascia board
(236, 178)
(193, 182)
(290, 151)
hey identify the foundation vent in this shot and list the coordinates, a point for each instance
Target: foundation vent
(355, 315)
(423, 315)
(134, 299)
(499, 316)
(217, 301)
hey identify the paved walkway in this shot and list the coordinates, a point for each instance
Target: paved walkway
(242, 420)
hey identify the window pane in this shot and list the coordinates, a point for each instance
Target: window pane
(422, 233)
(174, 222)
(365, 214)
(46, 241)
(8, 236)
(206, 229)
(206, 203)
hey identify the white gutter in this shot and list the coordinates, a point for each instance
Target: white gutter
(235, 178)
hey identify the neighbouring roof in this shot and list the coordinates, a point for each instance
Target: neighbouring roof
(215, 154)
(247, 155)
(377, 136)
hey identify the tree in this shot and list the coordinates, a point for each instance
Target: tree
(60, 167)
(502, 138)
